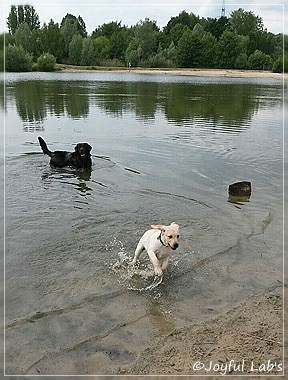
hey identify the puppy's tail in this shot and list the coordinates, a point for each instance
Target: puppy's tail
(44, 146)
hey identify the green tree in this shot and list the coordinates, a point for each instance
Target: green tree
(266, 42)
(12, 21)
(285, 62)
(285, 42)
(70, 26)
(278, 66)
(46, 62)
(51, 40)
(244, 23)
(77, 21)
(75, 49)
(7, 39)
(67, 30)
(177, 32)
(31, 17)
(23, 37)
(241, 61)
(171, 54)
(2, 46)
(199, 30)
(119, 38)
(259, 61)
(102, 48)
(144, 43)
(28, 39)
(229, 47)
(20, 15)
(133, 54)
(88, 55)
(189, 50)
(17, 59)
(107, 30)
(81, 27)
(190, 20)
(208, 53)
(216, 26)
(119, 42)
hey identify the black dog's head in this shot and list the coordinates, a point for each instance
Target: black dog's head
(83, 150)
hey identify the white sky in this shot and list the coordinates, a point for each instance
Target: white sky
(94, 13)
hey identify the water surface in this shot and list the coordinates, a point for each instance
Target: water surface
(165, 148)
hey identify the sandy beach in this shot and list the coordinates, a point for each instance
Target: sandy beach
(189, 72)
(215, 73)
(246, 340)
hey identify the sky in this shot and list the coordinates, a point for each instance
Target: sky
(274, 13)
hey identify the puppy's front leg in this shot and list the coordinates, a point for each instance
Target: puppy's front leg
(157, 267)
(138, 251)
(165, 263)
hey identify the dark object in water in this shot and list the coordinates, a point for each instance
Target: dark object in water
(80, 158)
(240, 189)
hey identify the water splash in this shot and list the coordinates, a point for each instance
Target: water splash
(133, 277)
(157, 281)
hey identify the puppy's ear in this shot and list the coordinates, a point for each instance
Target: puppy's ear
(158, 227)
(174, 224)
(89, 147)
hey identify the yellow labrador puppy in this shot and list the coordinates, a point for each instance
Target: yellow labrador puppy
(158, 241)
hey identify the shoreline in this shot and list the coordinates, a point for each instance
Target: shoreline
(245, 340)
(233, 73)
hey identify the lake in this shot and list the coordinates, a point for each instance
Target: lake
(165, 148)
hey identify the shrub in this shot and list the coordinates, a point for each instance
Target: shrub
(259, 61)
(241, 61)
(277, 66)
(286, 62)
(17, 59)
(46, 62)
(1, 60)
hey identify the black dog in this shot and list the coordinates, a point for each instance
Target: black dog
(81, 158)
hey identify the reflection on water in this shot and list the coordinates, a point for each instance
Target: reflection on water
(164, 149)
(228, 105)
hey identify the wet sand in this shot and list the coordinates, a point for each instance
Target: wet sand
(244, 341)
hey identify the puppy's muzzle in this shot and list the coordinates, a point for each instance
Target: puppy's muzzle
(174, 246)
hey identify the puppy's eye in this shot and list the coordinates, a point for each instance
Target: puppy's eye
(178, 236)
(170, 236)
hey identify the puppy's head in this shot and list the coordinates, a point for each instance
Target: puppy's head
(83, 149)
(169, 234)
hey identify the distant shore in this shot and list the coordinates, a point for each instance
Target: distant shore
(189, 72)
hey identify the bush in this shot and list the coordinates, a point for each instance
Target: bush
(259, 61)
(241, 61)
(286, 62)
(46, 62)
(277, 66)
(17, 59)
(1, 60)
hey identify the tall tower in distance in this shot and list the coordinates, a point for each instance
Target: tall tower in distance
(223, 9)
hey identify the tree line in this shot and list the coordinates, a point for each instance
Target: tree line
(236, 42)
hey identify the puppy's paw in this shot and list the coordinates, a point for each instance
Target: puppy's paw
(158, 272)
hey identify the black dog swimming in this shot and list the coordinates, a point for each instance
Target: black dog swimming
(80, 159)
